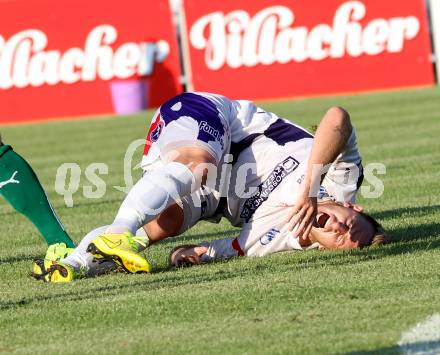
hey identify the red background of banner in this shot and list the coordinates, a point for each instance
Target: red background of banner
(411, 67)
(67, 25)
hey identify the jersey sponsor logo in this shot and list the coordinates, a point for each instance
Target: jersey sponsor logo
(11, 180)
(283, 169)
(269, 236)
(215, 133)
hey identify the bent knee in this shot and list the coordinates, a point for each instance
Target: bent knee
(201, 163)
(340, 114)
(168, 224)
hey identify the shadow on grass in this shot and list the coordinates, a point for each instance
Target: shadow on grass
(419, 347)
(174, 278)
(185, 239)
(167, 277)
(198, 238)
(16, 259)
(401, 234)
(411, 239)
(400, 212)
(405, 241)
(85, 203)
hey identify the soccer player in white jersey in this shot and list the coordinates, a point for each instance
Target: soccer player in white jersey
(202, 147)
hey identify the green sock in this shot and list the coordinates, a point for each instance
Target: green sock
(20, 187)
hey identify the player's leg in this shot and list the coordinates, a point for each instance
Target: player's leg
(183, 147)
(150, 196)
(176, 219)
(179, 217)
(74, 266)
(168, 224)
(80, 260)
(160, 188)
(80, 263)
(20, 187)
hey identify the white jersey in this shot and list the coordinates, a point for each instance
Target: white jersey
(214, 122)
(266, 173)
(269, 173)
(266, 231)
(268, 158)
(261, 160)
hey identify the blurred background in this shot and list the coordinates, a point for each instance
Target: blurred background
(63, 61)
(70, 62)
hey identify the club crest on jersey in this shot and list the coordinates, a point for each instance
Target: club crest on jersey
(269, 236)
(323, 193)
(156, 129)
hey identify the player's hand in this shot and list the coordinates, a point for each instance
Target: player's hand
(303, 215)
(353, 206)
(186, 255)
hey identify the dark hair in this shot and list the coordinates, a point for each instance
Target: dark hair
(380, 236)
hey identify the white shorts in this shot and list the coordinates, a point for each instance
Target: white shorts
(204, 204)
(187, 120)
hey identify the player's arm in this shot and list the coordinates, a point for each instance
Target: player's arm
(250, 243)
(205, 252)
(345, 175)
(330, 140)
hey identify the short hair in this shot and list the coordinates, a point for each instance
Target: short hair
(380, 236)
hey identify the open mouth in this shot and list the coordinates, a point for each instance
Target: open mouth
(322, 219)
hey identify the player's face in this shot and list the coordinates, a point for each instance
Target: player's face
(341, 227)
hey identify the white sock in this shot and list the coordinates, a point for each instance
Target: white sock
(151, 195)
(80, 258)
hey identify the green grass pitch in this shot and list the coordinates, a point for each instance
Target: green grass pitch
(298, 302)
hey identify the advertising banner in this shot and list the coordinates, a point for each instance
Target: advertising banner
(61, 59)
(435, 28)
(271, 49)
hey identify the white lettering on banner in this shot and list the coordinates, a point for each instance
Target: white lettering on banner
(25, 62)
(236, 39)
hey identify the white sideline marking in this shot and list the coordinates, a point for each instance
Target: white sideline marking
(424, 338)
